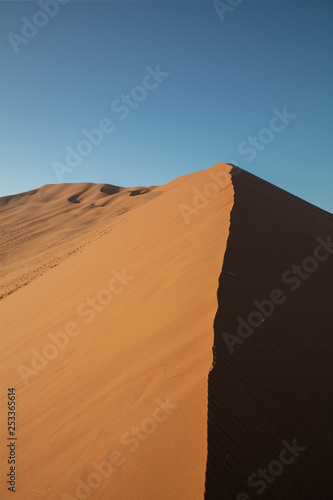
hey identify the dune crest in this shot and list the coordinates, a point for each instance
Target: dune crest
(112, 347)
(270, 408)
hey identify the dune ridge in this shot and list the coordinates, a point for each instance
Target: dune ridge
(111, 348)
(272, 383)
(147, 308)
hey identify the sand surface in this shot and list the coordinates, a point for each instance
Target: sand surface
(277, 384)
(120, 333)
(107, 333)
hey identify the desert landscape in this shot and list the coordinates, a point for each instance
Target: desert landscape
(160, 343)
(129, 309)
(166, 318)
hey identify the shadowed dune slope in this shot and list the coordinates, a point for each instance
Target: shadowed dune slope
(273, 383)
(110, 350)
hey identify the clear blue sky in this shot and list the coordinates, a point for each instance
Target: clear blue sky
(225, 78)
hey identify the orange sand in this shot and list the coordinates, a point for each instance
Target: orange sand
(148, 340)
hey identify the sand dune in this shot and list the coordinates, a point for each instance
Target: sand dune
(272, 381)
(110, 350)
(144, 310)
(55, 221)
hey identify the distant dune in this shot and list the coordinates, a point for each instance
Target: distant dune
(126, 332)
(42, 227)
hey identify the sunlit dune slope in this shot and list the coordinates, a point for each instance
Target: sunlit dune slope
(42, 227)
(110, 350)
